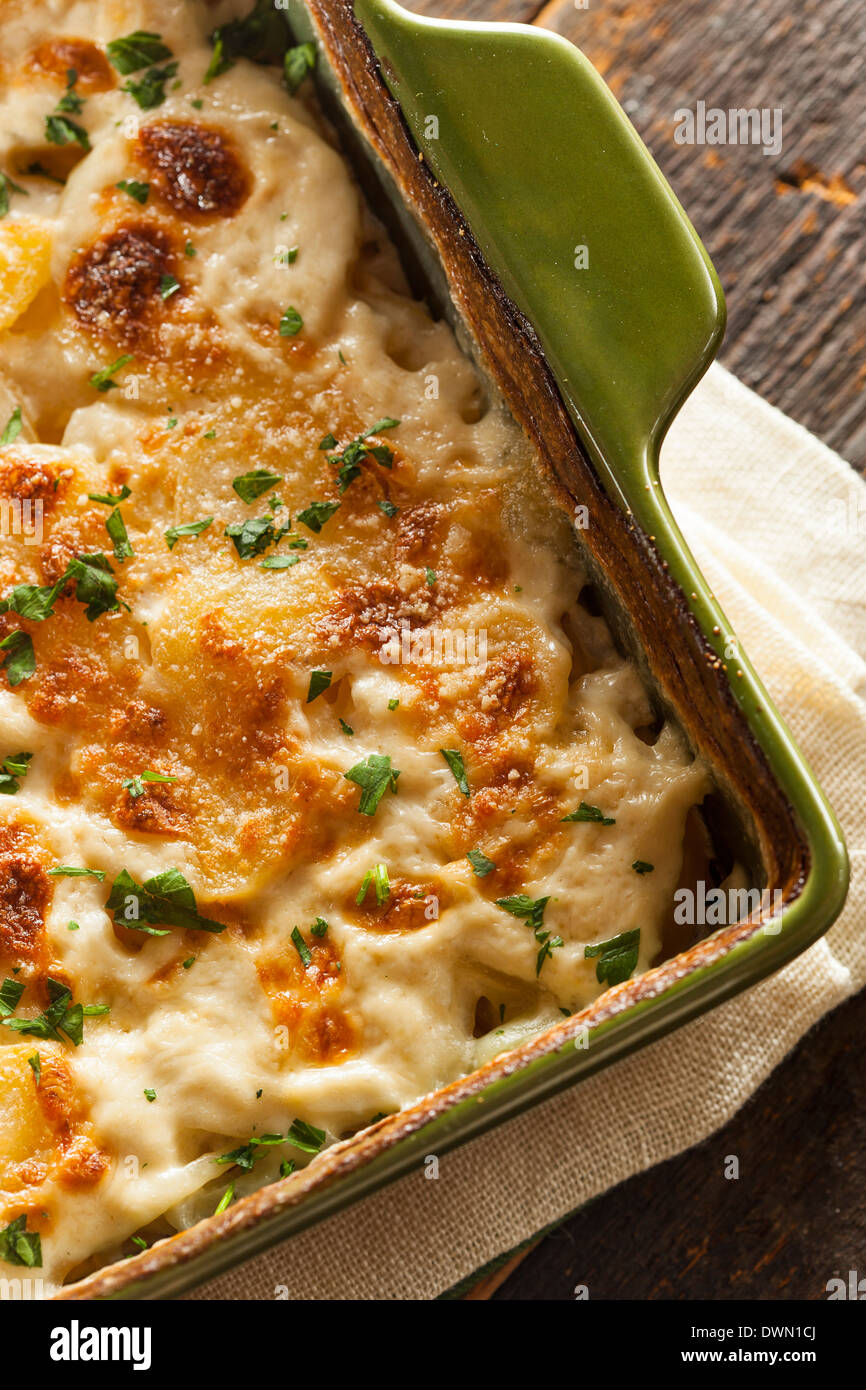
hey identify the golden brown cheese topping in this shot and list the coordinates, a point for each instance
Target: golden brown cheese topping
(300, 678)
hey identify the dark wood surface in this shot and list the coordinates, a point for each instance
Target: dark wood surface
(788, 237)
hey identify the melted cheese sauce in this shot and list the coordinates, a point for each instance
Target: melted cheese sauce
(204, 676)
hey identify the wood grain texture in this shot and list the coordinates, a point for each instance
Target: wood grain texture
(794, 1218)
(788, 237)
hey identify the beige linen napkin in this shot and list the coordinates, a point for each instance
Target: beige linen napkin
(773, 519)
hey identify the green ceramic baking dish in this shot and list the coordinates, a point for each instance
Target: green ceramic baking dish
(529, 160)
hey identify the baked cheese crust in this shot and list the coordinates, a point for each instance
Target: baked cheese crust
(192, 293)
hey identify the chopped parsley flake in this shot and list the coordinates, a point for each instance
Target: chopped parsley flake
(12, 769)
(291, 323)
(18, 1246)
(166, 900)
(104, 379)
(5, 185)
(301, 947)
(10, 997)
(62, 130)
(280, 562)
(297, 64)
(348, 462)
(73, 871)
(135, 189)
(319, 927)
(110, 499)
(149, 1094)
(135, 785)
(35, 1063)
(480, 863)
(319, 682)
(20, 660)
(315, 516)
(255, 536)
(641, 866)
(136, 51)
(455, 762)
(531, 910)
(13, 428)
(149, 91)
(586, 812)
(61, 1019)
(251, 485)
(168, 285)
(116, 528)
(347, 728)
(378, 876)
(617, 957)
(186, 528)
(374, 776)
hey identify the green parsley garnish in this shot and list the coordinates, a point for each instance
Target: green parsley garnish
(13, 428)
(12, 769)
(640, 866)
(617, 957)
(378, 876)
(104, 379)
(531, 910)
(95, 586)
(61, 1019)
(374, 776)
(110, 499)
(5, 185)
(228, 1196)
(149, 91)
(480, 863)
(301, 947)
(315, 516)
(387, 507)
(18, 1246)
(62, 130)
(255, 536)
(298, 63)
(10, 997)
(149, 1094)
(166, 899)
(35, 1063)
(280, 562)
(186, 528)
(251, 485)
(319, 927)
(168, 285)
(20, 660)
(116, 528)
(135, 785)
(319, 682)
(455, 762)
(136, 51)
(291, 323)
(347, 728)
(586, 812)
(349, 461)
(73, 871)
(137, 190)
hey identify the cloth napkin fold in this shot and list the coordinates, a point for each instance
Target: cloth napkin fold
(777, 523)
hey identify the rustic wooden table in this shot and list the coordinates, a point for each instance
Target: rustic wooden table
(788, 238)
